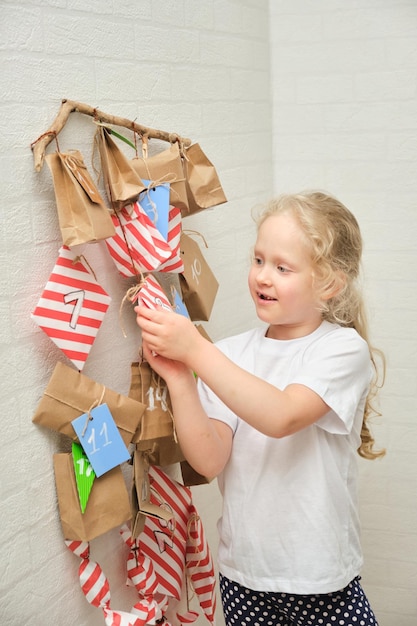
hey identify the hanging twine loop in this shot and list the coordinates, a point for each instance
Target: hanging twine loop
(131, 295)
(89, 417)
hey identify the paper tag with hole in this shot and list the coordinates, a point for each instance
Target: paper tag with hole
(100, 439)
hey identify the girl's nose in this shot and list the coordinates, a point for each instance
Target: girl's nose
(263, 275)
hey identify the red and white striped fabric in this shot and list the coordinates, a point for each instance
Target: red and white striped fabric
(72, 307)
(141, 574)
(140, 570)
(187, 618)
(93, 581)
(152, 295)
(165, 542)
(95, 587)
(138, 246)
(175, 262)
(121, 618)
(200, 566)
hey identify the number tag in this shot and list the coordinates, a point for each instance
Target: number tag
(155, 202)
(100, 439)
(179, 305)
(84, 474)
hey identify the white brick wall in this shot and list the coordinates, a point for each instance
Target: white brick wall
(344, 86)
(343, 118)
(198, 69)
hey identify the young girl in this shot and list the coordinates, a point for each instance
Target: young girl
(278, 415)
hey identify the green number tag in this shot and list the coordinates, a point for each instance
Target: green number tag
(84, 474)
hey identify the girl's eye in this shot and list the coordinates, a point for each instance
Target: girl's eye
(282, 269)
(257, 261)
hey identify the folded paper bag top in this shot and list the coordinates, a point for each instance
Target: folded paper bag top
(69, 394)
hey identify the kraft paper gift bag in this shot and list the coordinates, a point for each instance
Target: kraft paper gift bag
(198, 284)
(162, 451)
(156, 438)
(108, 504)
(190, 477)
(151, 391)
(202, 182)
(123, 184)
(165, 167)
(82, 214)
(141, 496)
(70, 394)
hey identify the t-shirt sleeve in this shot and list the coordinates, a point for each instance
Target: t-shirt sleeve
(212, 405)
(215, 408)
(338, 368)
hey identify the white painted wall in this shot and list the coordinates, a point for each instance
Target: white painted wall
(344, 88)
(343, 118)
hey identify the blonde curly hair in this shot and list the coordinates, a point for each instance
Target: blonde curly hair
(334, 238)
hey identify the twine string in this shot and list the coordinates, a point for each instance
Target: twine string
(131, 294)
(189, 231)
(80, 258)
(88, 414)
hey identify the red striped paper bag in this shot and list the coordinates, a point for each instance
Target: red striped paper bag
(138, 246)
(72, 307)
(175, 262)
(152, 295)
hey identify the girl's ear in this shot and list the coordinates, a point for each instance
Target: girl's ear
(334, 286)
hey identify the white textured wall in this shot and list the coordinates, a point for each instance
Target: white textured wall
(200, 69)
(344, 84)
(344, 119)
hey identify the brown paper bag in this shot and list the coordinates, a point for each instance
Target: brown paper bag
(151, 390)
(155, 441)
(123, 184)
(70, 394)
(198, 283)
(203, 332)
(162, 452)
(190, 477)
(141, 496)
(166, 167)
(82, 214)
(203, 185)
(108, 505)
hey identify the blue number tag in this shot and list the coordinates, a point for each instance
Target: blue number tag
(155, 202)
(100, 439)
(179, 306)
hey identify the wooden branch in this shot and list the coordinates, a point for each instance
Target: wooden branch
(71, 106)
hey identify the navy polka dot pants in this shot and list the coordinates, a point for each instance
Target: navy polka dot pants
(245, 607)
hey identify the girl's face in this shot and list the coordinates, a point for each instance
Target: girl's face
(281, 279)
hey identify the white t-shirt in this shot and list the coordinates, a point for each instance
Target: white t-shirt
(290, 521)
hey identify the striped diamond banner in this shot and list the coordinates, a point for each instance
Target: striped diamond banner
(72, 307)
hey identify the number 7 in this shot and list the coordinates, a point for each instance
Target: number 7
(78, 298)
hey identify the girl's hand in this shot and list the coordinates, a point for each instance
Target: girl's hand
(168, 334)
(168, 369)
